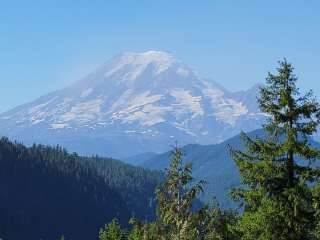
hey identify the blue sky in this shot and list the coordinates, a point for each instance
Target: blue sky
(45, 45)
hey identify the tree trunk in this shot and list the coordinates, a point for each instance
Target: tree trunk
(290, 169)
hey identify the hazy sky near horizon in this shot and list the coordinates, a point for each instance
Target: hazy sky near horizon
(46, 45)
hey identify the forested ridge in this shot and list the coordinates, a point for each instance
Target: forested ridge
(214, 164)
(45, 191)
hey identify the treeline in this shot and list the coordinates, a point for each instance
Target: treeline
(46, 192)
(279, 198)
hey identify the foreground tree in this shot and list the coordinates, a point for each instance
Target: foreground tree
(112, 231)
(316, 205)
(277, 170)
(175, 199)
(181, 216)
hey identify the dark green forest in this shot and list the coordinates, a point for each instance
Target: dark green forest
(46, 192)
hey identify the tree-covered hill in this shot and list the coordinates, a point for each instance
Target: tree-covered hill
(212, 163)
(209, 162)
(46, 192)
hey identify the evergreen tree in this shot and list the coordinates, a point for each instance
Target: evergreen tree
(316, 205)
(219, 224)
(178, 216)
(137, 232)
(112, 231)
(175, 199)
(278, 170)
(146, 231)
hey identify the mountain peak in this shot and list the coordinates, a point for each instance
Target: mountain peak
(161, 61)
(149, 56)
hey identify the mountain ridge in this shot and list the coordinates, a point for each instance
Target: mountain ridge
(212, 163)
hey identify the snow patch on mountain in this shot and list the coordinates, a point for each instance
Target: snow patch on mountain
(140, 108)
(225, 109)
(187, 102)
(140, 61)
(83, 112)
(59, 125)
(183, 72)
(86, 93)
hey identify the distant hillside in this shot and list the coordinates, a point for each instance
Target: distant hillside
(212, 163)
(140, 158)
(46, 192)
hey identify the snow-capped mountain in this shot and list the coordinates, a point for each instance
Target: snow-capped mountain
(134, 103)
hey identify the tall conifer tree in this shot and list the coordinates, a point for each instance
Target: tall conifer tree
(180, 214)
(175, 200)
(277, 170)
